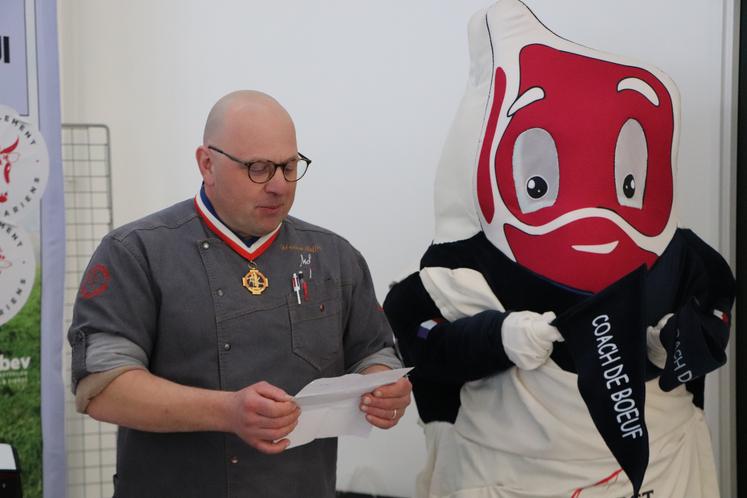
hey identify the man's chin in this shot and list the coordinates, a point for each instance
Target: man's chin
(268, 225)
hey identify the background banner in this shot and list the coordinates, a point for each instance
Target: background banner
(31, 242)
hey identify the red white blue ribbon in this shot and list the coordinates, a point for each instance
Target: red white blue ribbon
(250, 252)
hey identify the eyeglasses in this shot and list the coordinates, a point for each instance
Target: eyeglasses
(263, 171)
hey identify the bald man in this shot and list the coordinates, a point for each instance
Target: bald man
(193, 325)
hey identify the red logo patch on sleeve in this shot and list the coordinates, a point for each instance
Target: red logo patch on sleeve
(95, 282)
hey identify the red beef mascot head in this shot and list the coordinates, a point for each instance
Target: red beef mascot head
(564, 156)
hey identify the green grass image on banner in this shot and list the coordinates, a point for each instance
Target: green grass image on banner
(20, 390)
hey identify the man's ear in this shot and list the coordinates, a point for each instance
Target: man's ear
(205, 164)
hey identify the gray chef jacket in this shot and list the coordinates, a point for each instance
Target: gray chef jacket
(166, 292)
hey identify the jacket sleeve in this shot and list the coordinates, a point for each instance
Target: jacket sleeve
(367, 336)
(115, 313)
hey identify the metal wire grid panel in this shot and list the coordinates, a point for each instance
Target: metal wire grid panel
(91, 445)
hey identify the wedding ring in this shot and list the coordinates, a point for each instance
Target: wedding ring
(394, 414)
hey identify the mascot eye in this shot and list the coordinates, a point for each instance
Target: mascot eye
(535, 169)
(536, 187)
(631, 164)
(629, 186)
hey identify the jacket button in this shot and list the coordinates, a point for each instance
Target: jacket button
(206, 245)
(234, 459)
(227, 347)
(219, 292)
(321, 307)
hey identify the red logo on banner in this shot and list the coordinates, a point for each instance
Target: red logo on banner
(95, 282)
(7, 158)
(5, 263)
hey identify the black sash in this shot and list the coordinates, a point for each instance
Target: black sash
(606, 338)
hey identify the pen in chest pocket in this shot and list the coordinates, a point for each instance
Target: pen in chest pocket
(300, 286)
(296, 284)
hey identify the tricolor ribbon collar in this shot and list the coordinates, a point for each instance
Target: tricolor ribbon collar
(227, 235)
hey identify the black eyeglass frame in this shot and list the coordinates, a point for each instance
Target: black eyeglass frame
(249, 164)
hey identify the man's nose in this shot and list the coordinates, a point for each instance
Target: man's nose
(277, 184)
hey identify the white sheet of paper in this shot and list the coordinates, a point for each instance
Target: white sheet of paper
(330, 406)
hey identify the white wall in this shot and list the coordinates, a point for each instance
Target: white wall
(372, 85)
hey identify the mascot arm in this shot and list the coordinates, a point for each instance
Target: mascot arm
(696, 336)
(454, 352)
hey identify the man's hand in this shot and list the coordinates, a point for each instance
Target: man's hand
(263, 415)
(386, 404)
(528, 338)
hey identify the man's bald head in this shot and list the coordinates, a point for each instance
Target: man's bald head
(243, 108)
(244, 127)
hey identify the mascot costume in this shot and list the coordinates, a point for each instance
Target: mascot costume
(561, 324)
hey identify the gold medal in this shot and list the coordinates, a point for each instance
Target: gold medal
(255, 281)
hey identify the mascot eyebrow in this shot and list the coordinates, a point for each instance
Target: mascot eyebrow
(537, 93)
(530, 96)
(641, 87)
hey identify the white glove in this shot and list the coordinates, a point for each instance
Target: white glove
(528, 336)
(656, 352)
